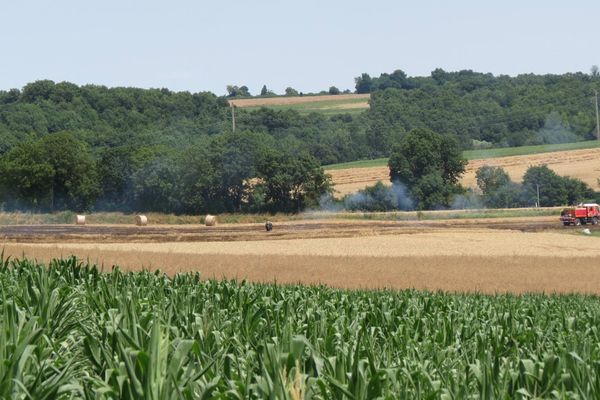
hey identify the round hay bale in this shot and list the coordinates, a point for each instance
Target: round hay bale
(210, 220)
(141, 220)
(268, 226)
(80, 220)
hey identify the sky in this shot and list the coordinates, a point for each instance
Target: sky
(308, 45)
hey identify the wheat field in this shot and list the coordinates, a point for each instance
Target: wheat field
(583, 164)
(482, 260)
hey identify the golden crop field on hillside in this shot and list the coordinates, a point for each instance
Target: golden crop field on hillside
(282, 100)
(583, 164)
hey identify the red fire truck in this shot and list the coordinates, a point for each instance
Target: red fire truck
(582, 214)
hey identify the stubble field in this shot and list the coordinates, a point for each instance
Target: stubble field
(324, 104)
(583, 164)
(292, 100)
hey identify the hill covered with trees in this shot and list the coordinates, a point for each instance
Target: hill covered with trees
(80, 147)
(482, 110)
(69, 147)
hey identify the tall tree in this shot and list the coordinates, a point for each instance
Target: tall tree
(237, 91)
(553, 189)
(429, 165)
(290, 91)
(57, 172)
(291, 182)
(498, 191)
(364, 83)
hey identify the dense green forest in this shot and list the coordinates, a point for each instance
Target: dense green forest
(64, 146)
(482, 110)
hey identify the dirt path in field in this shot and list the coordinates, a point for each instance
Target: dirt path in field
(583, 164)
(302, 229)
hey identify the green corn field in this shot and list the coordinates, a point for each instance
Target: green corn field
(68, 330)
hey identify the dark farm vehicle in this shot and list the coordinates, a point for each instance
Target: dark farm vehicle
(581, 215)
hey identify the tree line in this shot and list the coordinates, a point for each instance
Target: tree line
(130, 148)
(233, 172)
(481, 110)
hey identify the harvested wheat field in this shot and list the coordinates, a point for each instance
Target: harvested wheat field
(403, 223)
(583, 164)
(453, 259)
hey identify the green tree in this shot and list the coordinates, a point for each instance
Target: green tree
(115, 168)
(38, 91)
(333, 90)
(490, 178)
(498, 191)
(156, 187)
(556, 130)
(364, 83)
(550, 186)
(238, 91)
(27, 184)
(57, 172)
(196, 176)
(234, 157)
(291, 182)
(290, 91)
(554, 190)
(577, 190)
(429, 165)
(431, 191)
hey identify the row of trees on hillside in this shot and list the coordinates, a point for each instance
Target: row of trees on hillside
(252, 172)
(243, 91)
(499, 191)
(128, 148)
(480, 110)
(158, 118)
(241, 172)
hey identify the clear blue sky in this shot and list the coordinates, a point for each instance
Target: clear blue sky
(309, 45)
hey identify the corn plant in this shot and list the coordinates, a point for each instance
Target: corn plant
(69, 330)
